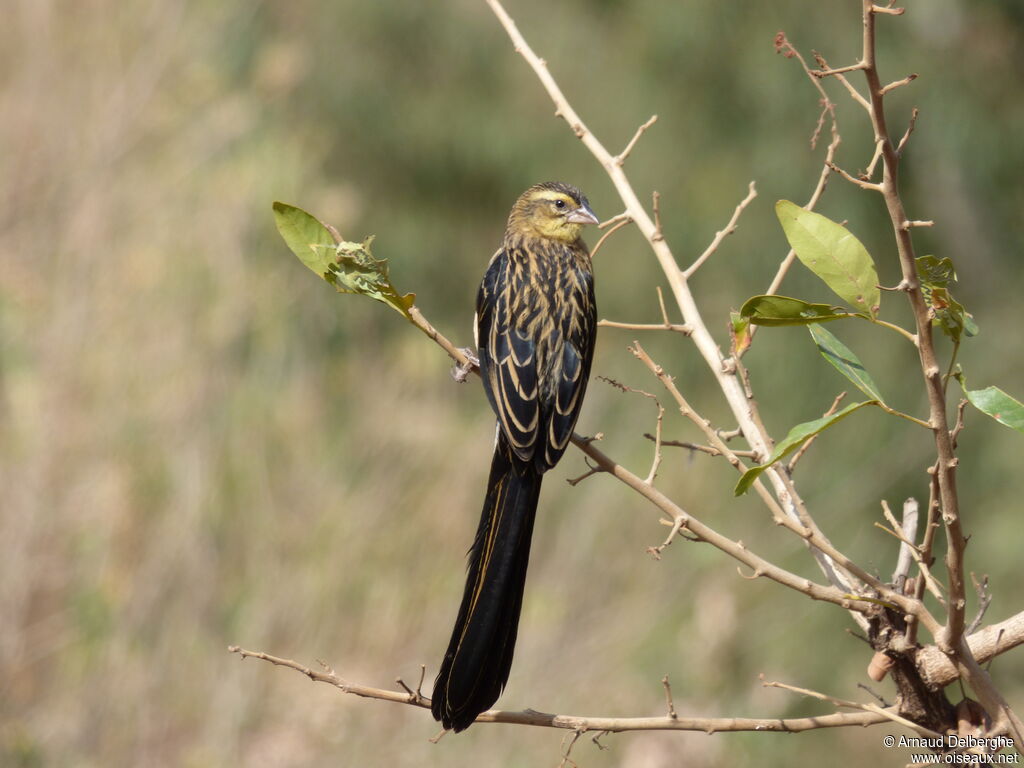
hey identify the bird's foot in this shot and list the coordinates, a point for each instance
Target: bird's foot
(462, 370)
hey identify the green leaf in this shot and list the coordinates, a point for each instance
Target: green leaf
(782, 310)
(310, 240)
(992, 401)
(832, 252)
(349, 267)
(797, 436)
(847, 363)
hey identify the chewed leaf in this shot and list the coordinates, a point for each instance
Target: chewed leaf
(833, 253)
(797, 436)
(349, 267)
(994, 402)
(782, 310)
(947, 313)
(935, 272)
(847, 363)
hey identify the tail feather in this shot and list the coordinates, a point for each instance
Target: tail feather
(479, 656)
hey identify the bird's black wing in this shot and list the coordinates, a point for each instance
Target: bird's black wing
(508, 358)
(578, 331)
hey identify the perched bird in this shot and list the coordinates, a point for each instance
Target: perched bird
(535, 326)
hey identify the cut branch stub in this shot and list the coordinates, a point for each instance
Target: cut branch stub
(796, 437)
(833, 253)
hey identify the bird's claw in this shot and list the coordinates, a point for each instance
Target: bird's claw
(462, 370)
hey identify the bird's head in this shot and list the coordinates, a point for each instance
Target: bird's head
(552, 210)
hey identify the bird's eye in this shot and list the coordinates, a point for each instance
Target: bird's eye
(560, 204)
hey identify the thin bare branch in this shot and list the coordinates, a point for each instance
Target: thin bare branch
(668, 697)
(855, 181)
(845, 703)
(621, 157)
(908, 132)
(907, 545)
(722, 234)
(617, 226)
(820, 73)
(711, 451)
(677, 327)
(585, 724)
(984, 601)
(677, 525)
(896, 84)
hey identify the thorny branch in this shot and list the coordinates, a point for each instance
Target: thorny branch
(956, 652)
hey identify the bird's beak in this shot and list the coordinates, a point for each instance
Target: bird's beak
(582, 215)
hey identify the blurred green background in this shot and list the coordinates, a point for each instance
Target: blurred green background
(201, 444)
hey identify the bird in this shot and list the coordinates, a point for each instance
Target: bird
(536, 323)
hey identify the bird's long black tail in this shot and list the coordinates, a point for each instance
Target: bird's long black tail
(479, 656)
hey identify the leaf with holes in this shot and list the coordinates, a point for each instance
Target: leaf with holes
(947, 313)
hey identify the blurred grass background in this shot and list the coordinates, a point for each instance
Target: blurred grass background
(200, 444)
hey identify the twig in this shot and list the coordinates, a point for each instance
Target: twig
(845, 703)
(591, 471)
(866, 176)
(677, 526)
(677, 327)
(618, 225)
(621, 157)
(854, 93)
(910, 129)
(868, 185)
(711, 451)
(656, 462)
(820, 73)
(984, 600)
(566, 760)
(897, 83)
(826, 170)
(724, 233)
(907, 544)
(668, 698)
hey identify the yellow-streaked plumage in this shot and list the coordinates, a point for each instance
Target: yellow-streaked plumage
(535, 328)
